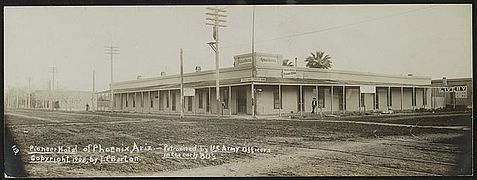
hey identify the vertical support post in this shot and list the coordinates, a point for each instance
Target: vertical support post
(127, 102)
(331, 100)
(169, 100)
(375, 99)
(280, 100)
(344, 99)
(182, 80)
(454, 98)
(402, 92)
(359, 99)
(318, 101)
(389, 97)
(230, 100)
(413, 98)
(301, 100)
(253, 98)
(210, 103)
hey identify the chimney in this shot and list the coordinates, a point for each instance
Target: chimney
(444, 81)
(198, 69)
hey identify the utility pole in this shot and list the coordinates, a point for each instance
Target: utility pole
(182, 84)
(53, 71)
(94, 92)
(214, 17)
(29, 93)
(111, 50)
(253, 62)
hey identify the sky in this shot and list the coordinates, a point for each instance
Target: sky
(425, 40)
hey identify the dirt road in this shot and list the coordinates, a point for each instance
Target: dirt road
(298, 148)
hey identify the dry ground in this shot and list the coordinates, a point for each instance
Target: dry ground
(298, 148)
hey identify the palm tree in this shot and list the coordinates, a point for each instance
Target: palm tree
(287, 62)
(318, 60)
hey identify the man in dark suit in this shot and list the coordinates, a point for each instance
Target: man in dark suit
(314, 103)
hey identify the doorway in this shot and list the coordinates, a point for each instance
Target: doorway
(241, 101)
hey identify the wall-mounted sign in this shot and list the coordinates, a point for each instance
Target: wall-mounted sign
(367, 89)
(454, 89)
(289, 73)
(462, 95)
(189, 92)
(268, 60)
(242, 61)
(249, 79)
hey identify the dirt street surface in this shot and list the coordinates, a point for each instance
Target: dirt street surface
(437, 144)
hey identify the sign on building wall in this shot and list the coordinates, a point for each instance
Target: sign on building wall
(189, 92)
(462, 95)
(272, 60)
(454, 89)
(243, 60)
(367, 89)
(249, 79)
(289, 73)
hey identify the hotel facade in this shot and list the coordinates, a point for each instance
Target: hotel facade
(278, 90)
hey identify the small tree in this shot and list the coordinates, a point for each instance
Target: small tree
(287, 62)
(318, 60)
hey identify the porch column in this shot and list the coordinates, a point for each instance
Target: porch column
(389, 97)
(301, 100)
(359, 100)
(230, 100)
(331, 100)
(210, 103)
(169, 100)
(402, 89)
(280, 99)
(344, 99)
(128, 104)
(375, 99)
(413, 97)
(317, 100)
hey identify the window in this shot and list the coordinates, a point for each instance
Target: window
(167, 100)
(413, 97)
(134, 101)
(189, 103)
(207, 106)
(321, 97)
(201, 100)
(376, 101)
(142, 99)
(362, 99)
(390, 97)
(276, 99)
(225, 97)
(424, 97)
(161, 100)
(173, 96)
(340, 99)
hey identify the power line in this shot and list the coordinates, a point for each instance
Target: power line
(335, 27)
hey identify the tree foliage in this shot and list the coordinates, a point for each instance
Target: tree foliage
(318, 60)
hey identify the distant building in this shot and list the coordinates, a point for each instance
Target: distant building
(61, 99)
(276, 89)
(457, 91)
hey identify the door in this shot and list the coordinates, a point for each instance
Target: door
(241, 101)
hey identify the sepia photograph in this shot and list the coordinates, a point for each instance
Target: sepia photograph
(296, 90)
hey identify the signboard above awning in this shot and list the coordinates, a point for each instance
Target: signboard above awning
(289, 73)
(454, 89)
(367, 89)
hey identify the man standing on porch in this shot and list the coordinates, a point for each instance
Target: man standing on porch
(313, 105)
